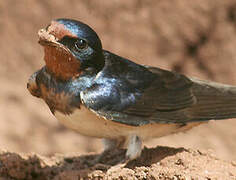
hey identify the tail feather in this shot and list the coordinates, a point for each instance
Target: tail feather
(214, 101)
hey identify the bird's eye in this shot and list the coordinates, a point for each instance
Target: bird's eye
(80, 44)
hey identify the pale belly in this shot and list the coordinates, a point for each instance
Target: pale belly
(88, 123)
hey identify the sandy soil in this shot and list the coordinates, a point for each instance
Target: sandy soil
(162, 163)
(197, 38)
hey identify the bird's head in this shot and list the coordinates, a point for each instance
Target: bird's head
(70, 47)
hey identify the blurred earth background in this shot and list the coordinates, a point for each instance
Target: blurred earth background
(197, 38)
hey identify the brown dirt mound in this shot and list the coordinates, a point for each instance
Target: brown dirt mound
(162, 163)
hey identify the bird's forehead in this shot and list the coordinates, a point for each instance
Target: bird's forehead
(60, 30)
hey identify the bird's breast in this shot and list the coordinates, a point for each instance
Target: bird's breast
(88, 123)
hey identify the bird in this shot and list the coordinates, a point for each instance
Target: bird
(100, 94)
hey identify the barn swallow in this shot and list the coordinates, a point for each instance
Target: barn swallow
(103, 95)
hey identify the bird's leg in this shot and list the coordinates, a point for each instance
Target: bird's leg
(109, 146)
(132, 142)
(134, 147)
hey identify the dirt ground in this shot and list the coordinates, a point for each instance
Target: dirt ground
(161, 163)
(197, 38)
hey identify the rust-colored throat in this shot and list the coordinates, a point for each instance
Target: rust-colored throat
(58, 58)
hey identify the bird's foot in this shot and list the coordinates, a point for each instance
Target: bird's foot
(113, 154)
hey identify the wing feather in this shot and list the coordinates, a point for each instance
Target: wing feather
(132, 94)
